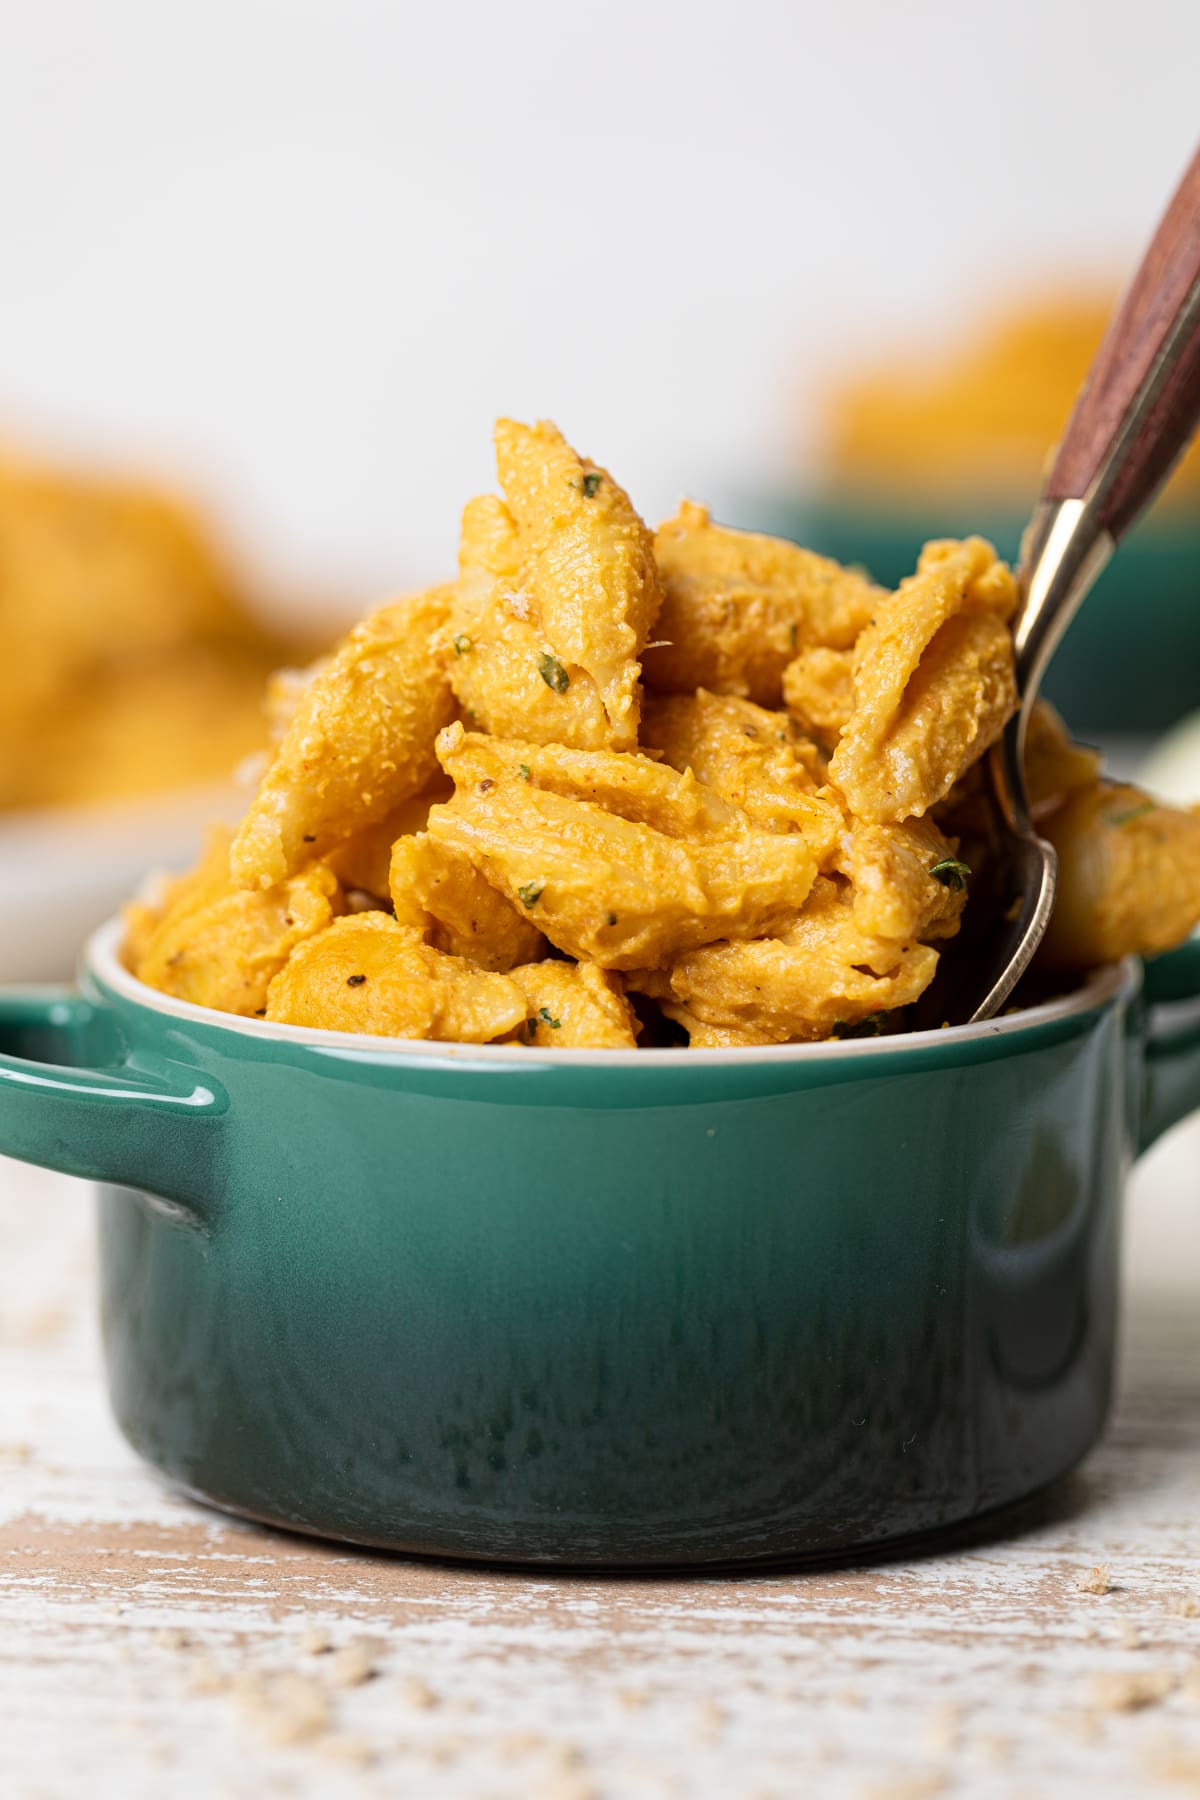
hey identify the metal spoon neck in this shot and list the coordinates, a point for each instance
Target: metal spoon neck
(1063, 551)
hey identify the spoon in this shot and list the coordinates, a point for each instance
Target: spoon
(1136, 412)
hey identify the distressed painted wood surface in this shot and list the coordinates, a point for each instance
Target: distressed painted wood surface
(148, 1646)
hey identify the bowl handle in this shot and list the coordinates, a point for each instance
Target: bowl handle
(73, 1098)
(1172, 1040)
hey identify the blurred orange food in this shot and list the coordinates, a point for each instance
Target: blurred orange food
(130, 661)
(981, 418)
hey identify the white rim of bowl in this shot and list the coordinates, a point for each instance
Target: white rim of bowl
(101, 958)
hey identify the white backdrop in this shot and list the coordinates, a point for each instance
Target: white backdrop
(304, 250)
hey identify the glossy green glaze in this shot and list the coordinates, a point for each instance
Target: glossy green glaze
(1128, 662)
(603, 1310)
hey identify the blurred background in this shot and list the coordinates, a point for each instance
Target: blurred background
(300, 252)
(290, 257)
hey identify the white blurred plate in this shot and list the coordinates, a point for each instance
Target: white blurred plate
(65, 870)
(1173, 768)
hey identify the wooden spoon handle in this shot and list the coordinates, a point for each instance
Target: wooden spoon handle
(1141, 401)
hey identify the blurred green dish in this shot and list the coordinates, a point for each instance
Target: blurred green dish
(1130, 662)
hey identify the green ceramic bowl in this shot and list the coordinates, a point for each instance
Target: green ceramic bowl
(1130, 662)
(603, 1308)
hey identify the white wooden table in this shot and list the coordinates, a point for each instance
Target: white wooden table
(149, 1647)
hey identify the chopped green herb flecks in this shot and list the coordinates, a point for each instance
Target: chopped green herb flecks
(1130, 812)
(530, 892)
(951, 874)
(553, 673)
(545, 1016)
(590, 485)
(462, 644)
(793, 633)
(871, 1026)
(524, 771)
(612, 918)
